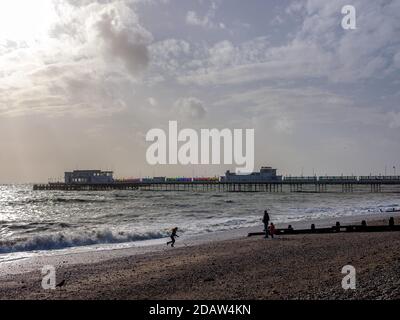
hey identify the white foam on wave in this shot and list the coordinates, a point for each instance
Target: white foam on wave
(67, 240)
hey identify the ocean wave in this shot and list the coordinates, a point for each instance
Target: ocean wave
(230, 222)
(67, 240)
(196, 212)
(77, 200)
(36, 226)
(178, 205)
(53, 200)
(25, 202)
(394, 205)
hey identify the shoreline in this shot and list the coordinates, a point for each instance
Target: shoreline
(25, 262)
(288, 267)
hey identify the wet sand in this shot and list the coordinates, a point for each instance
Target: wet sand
(287, 267)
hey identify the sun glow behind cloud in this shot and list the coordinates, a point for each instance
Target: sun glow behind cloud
(25, 20)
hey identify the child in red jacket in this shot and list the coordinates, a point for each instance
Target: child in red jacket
(272, 229)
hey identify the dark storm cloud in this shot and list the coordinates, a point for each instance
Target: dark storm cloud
(129, 45)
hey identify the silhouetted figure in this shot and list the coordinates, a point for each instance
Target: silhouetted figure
(313, 227)
(290, 228)
(265, 220)
(338, 226)
(173, 235)
(364, 224)
(272, 230)
(391, 222)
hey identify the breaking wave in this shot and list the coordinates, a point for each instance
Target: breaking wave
(67, 240)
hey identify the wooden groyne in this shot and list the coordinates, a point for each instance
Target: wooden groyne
(335, 229)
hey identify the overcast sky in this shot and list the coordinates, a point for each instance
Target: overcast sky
(82, 81)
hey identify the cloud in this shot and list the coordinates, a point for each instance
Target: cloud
(396, 60)
(302, 107)
(320, 49)
(250, 63)
(277, 20)
(189, 108)
(284, 125)
(152, 101)
(60, 90)
(170, 56)
(193, 19)
(295, 7)
(394, 120)
(129, 43)
(207, 21)
(222, 53)
(85, 67)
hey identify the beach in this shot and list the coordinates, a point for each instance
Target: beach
(287, 267)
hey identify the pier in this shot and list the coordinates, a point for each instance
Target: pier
(290, 184)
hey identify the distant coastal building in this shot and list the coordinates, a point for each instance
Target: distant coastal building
(266, 174)
(89, 177)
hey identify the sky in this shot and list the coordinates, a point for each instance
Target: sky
(83, 81)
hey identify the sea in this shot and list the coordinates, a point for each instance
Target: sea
(47, 221)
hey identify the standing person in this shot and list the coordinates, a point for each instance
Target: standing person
(272, 230)
(266, 222)
(173, 235)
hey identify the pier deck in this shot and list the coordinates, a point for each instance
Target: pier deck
(280, 186)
